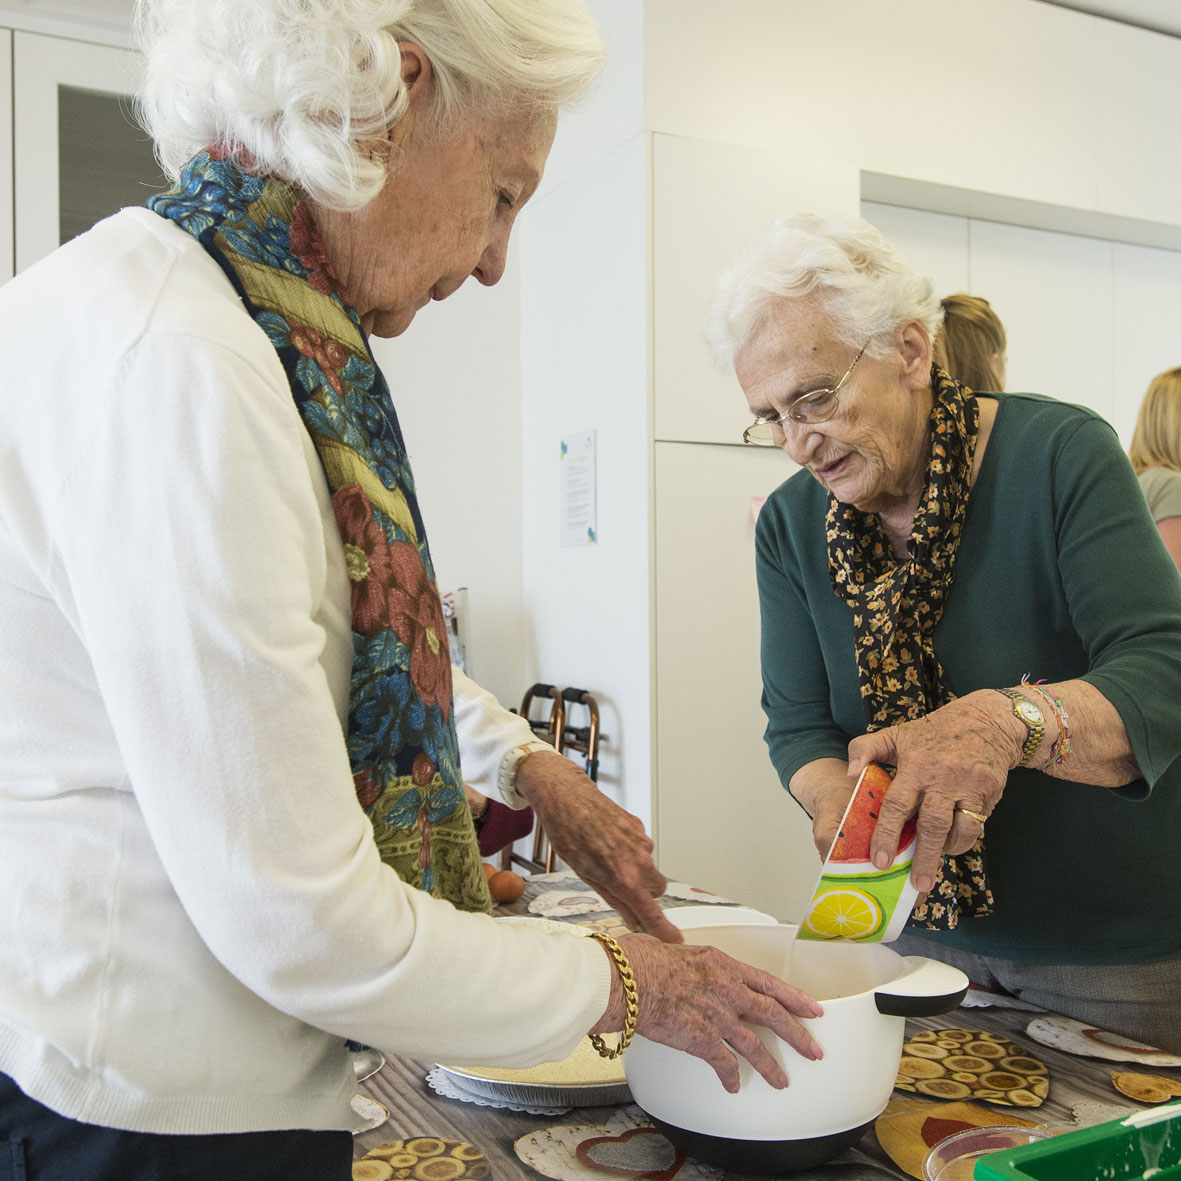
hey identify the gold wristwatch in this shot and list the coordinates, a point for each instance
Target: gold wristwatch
(1030, 713)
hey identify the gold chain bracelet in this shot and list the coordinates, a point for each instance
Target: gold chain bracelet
(630, 996)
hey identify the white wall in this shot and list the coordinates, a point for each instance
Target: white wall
(1000, 96)
(584, 314)
(455, 378)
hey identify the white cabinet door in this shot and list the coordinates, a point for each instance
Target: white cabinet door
(723, 822)
(6, 258)
(78, 153)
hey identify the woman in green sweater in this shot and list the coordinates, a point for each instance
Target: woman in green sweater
(968, 588)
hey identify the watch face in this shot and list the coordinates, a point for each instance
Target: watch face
(1030, 713)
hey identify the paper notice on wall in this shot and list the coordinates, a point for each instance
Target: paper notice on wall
(578, 490)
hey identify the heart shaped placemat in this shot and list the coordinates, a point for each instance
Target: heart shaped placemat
(626, 1145)
(971, 1064)
(909, 1128)
(423, 1158)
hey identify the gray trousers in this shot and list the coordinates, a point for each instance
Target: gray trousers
(1140, 1001)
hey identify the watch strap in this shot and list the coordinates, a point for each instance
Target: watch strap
(1034, 730)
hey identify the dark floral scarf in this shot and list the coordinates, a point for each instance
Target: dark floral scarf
(896, 605)
(401, 732)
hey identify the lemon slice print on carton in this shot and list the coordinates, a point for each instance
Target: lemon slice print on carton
(844, 913)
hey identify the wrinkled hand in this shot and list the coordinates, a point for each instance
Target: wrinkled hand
(697, 998)
(828, 809)
(606, 846)
(823, 788)
(958, 755)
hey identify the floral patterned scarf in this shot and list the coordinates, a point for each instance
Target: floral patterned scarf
(401, 733)
(896, 605)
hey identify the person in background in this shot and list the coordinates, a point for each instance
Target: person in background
(233, 833)
(964, 586)
(1156, 455)
(971, 343)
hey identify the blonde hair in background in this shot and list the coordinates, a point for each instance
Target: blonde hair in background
(970, 341)
(1156, 441)
(295, 86)
(864, 287)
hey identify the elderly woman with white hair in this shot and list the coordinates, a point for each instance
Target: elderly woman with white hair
(968, 588)
(233, 833)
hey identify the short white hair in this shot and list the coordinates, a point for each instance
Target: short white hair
(294, 85)
(863, 286)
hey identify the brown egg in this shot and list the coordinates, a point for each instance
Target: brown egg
(489, 870)
(506, 886)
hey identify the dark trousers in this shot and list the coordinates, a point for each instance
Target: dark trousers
(37, 1144)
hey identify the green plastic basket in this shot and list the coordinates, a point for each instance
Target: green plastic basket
(1145, 1145)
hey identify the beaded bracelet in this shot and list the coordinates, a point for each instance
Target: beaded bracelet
(630, 996)
(1060, 748)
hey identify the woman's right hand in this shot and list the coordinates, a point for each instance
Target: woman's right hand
(696, 999)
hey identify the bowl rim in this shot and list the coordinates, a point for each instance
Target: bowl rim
(1034, 1132)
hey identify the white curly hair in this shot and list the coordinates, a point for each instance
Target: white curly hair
(865, 288)
(295, 85)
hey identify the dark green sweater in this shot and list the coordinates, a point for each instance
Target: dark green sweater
(1060, 574)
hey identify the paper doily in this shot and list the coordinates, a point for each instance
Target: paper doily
(449, 1087)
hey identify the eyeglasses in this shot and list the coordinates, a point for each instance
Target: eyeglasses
(816, 406)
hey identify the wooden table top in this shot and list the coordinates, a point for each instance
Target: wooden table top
(416, 1110)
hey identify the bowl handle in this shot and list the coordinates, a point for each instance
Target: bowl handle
(925, 989)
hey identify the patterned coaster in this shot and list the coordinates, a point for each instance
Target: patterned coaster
(1146, 1088)
(1076, 1037)
(626, 1145)
(425, 1158)
(909, 1128)
(450, 1087)
(969, 1063)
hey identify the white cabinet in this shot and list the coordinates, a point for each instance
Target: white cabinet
(722, 818)
(77, 154)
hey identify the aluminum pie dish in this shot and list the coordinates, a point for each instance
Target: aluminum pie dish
(581, 1080)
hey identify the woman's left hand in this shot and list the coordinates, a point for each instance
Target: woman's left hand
(954, 761)
(606, 846)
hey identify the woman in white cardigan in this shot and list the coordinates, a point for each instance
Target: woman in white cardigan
(232, 826)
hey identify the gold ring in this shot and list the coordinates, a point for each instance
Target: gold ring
(975, 815)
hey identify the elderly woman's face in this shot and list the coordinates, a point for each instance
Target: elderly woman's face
(872, 452)
(445, 214)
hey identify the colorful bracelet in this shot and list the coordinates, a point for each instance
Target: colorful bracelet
(1060, 748)
(630, 996)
